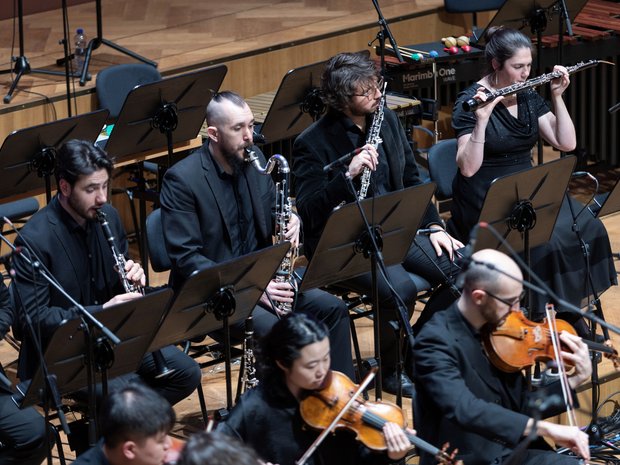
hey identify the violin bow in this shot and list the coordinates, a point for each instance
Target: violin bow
(555, 340)
(317, 442)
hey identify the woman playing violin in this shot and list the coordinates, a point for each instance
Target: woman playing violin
(294, 359)
(464, 399)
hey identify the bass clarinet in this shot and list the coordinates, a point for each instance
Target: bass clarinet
(284, 212)
(129, 286)
(373, 137)
(473, 103)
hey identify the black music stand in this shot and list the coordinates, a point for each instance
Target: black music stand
(342, 251)
(162, 113)
(74, 364)
(607, 203)
(217, 297)
(33, 150)
(296, 105)
(523, 207)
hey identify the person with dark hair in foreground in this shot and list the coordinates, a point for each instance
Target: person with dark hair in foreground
(465, 400)
(216, 448)
(135, 422)
(68, 240)
(352, 87)
(294, 358)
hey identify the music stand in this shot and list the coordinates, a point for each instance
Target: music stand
(523, 207)
(607, 203)
(296, 104)
(33, 150)
(341, 251)
(68, 356)
(162, 113)
(216, 297)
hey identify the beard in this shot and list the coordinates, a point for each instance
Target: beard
(236, 162)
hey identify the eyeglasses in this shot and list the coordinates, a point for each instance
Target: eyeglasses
(510, 302)
(370, 91)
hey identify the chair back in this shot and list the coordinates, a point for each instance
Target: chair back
(472, 6)
(115, 82)
(442, 167)
(19, 209)
(158, 255)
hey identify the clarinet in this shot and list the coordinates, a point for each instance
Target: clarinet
(129, 286)
(473, 103)
(374, 139)
(284, 212)
(248, 377)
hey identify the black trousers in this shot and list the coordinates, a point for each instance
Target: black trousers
(388, 306)
(23, 434)
(322, 306)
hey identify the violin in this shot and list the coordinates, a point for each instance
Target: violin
(366, 419)
(518, 343)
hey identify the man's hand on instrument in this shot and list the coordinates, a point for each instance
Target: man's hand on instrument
(278, 292)
(292, 230)
(566, 436)
(122, 298)
(396, 440)
(559, 85)
(578, 356)
(442, 240)
(135, 273)
(368, 157)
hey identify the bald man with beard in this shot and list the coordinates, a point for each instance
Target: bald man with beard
(464, 399)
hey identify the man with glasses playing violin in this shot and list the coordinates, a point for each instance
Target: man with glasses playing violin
(352, 88)
(465, 400)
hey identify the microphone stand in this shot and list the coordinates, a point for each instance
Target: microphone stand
(370, 243)
(384, 32)
(90, 322)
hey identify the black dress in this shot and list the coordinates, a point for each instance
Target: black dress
(507, 149)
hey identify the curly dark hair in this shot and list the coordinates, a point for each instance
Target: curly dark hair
(343, 75)
(501, 45)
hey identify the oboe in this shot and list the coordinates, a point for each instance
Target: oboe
(473, 103)
(248, 378)
(373, 137)
(129, 286)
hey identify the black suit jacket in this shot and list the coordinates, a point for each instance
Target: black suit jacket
(461, 398)
(50, 237)
(317, 192)
(196, 231)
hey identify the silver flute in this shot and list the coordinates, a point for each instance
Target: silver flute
(373, 137)
(473, 103)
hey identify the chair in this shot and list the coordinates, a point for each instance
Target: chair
(442, 167)
(113, 85)
(115, 82)
(472, 6)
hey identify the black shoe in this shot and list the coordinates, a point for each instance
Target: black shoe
(390, 384)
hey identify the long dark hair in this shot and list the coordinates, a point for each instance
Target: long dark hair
(501, 45)
(216, 448)
(283, 344)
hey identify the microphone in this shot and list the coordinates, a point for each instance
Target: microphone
(258, 138)
(6, 258)
(342, 160)
(465, 257)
